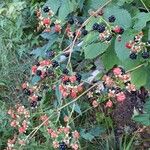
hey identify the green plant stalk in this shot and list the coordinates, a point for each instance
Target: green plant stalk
(144, 5)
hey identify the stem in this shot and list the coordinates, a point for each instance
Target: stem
(144, 5)
(71, 113)
(85, 23)
(59, 109)
(135, 68)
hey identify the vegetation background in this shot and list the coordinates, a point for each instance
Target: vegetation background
(18, 39)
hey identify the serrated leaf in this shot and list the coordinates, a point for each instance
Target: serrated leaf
(147, 106)
(93, 50)
(87, 135)
(110, 58)
(90, 38)
(96, 131)
(76, 108)
(40, 51)
(35, 80)
(95, 4)
(140, 20)
(143, 119)
(121, 51)
(66, 8)
(139, 77)
(123, 17)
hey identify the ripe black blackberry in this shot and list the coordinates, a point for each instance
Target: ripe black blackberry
(39, 98)
(122, 70)
(121, 30)
(50, 72)
(38, 72)
(112, 18)
(133, 55)
(80, 21)
(65, 71)
(145, 55)
(84, 32)
(62, 146)
(66, 54)
(74, 34)
(117, 90)
(33, 104)
(71, 21)
(37, 64)
(50, 54)
(78, 76)
(95, 26)
(55, 64)
(27, 92)
(46, 9)
(101, 28)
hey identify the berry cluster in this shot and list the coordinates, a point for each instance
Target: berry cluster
(136, 46)
(19, 120)
(107, 31)
(70, 85)
(73, 31)
(62, 136)
(43, 69)
(115, 84)
(46, 22)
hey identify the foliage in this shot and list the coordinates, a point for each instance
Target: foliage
(77, 89)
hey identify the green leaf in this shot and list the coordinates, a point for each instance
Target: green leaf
(143, 119)
(110, 58)
(87, 135)
(76, 108)
(58, 94)
(40, 51)
(35, 79)
(91, 22)
(139, 77)
(96, 131)
(147, 3)
(140, 20)
(121, 51)
(90, 38)
(147, 106)
(53, 4)
(95, 4)
(123, 17)
(66, 8)
(93, 50)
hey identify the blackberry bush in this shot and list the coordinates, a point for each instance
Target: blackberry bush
(89, 81)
